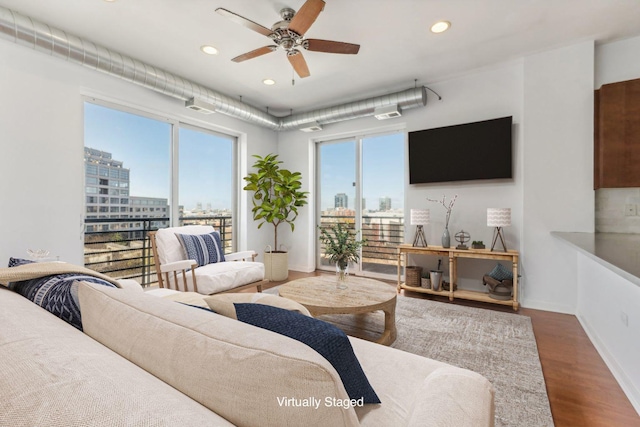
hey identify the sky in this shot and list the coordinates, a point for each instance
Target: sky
(206, 166)
(144, 146)
(382, 171)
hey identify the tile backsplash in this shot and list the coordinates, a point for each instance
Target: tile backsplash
(618, 210)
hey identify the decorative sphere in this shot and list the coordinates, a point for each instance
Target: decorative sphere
(462, 237)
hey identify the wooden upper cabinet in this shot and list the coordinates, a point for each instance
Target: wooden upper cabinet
(617, 135)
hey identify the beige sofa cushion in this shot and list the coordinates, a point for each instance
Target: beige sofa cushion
(243, 373)
(417, 391)
(54, 375)
(224, 303)
(456, 397)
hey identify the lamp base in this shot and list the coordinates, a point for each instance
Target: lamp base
(497, 233)
(419, 240)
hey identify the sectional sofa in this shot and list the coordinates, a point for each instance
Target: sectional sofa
(143, 360)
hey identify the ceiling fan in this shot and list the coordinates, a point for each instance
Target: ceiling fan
(288, 34)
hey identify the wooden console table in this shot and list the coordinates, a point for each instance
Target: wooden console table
(453, 255)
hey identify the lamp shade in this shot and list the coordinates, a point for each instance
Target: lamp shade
(498, 217)
(419, 216)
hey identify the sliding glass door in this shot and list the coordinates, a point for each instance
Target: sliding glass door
(382, 209)
(361, 184)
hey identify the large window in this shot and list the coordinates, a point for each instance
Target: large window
(361, 184)
(134, 184)
(206, 180)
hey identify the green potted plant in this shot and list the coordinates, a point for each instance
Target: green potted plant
(341, 248)
(477, 244)
(276, 199)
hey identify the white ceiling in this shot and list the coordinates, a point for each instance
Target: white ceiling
(396, 44)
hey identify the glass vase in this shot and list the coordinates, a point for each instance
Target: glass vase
(342, 275)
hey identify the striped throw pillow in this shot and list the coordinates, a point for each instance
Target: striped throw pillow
(202, 248)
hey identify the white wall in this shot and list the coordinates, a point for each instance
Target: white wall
(41, 144)
(558, 171)
(617, 61)
(604, 299)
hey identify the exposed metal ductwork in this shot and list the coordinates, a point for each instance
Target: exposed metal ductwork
(36, 35)
(410, 98)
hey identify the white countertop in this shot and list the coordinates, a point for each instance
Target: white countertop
(618, 252)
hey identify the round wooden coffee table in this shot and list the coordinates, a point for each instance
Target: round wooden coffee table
(320, 296)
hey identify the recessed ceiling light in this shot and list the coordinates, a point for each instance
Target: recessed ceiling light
(269, 82)
(209, 50)
(440, 27)
(110, 1)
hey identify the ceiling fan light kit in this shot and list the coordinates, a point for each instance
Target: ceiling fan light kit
(387, 112)
(288, 35)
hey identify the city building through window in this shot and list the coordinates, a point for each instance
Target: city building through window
(128, 165)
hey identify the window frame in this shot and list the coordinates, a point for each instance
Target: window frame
(175, 125)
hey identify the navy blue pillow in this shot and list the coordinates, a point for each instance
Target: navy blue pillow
(14, 262)
(57, 294)
(321, 336)
(202, 248)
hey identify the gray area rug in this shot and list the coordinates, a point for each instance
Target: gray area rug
(501, 346)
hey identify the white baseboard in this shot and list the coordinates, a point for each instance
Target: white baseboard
(632, 392)
(302, 269)
(546, 306)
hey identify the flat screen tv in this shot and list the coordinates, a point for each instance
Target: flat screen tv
(470, 151)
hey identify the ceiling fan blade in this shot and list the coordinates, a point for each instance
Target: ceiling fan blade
(254, 53)
(244, 22)
(299, 64)
(306, 16)
(317, 45)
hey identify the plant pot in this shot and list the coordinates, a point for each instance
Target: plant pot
(276, 266)
(477, 247)
(436, 279)
(425, 282)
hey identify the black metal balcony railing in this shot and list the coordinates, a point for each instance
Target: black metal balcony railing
(120, 247)
(383, 234)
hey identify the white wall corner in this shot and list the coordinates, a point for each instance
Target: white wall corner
(558, 167)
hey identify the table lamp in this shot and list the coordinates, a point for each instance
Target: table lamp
(498, 218)
(419, 218)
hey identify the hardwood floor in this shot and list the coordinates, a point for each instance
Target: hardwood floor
(582, 391)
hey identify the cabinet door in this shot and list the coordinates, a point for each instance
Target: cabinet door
(617, 135)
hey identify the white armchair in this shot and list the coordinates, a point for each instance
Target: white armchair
(177, 271)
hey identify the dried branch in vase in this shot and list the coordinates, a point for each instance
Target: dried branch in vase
(447, 206)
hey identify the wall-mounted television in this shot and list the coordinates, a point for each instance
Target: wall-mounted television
(470, 151)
